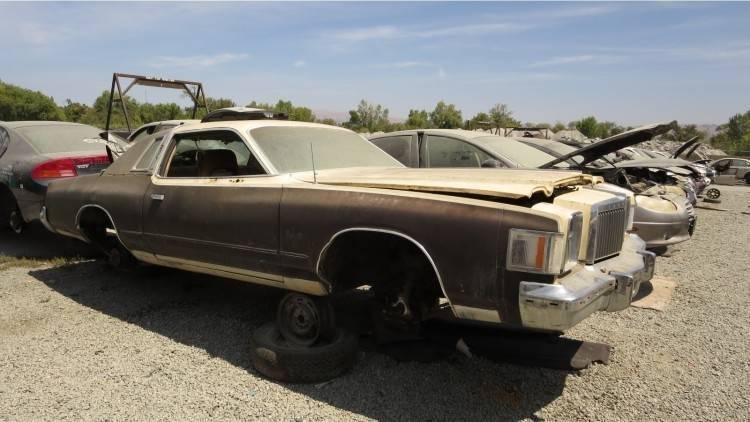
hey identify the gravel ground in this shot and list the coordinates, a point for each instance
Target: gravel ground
(79, 342)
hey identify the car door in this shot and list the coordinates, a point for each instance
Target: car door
(401, 147)
(740, 167)
(213, 205)
(444, 151)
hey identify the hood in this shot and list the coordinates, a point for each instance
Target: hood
(674, 165)
(684, 147)
(501, 183)
(632, 137)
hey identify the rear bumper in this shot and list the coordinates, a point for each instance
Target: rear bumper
(608, 285)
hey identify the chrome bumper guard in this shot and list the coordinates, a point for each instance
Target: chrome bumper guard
(609, 285)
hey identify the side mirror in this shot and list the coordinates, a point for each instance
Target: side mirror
(491, 163)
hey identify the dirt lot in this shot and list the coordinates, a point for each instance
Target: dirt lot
(80, 342)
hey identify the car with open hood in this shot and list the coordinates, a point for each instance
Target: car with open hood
(318, 210)
(661, 218)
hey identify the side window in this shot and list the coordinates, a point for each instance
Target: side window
(449, 152)
(212, 154)
(739, 163)
(4, 141)
(398, 147)
(147, 160)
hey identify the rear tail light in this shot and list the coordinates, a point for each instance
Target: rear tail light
(65, 167)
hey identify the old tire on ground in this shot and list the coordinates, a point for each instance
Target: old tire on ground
(713, 193)
(747, 178)
(279, 360)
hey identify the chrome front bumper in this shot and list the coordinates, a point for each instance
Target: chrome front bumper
(609, 285)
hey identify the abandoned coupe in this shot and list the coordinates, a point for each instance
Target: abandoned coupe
(317, 210)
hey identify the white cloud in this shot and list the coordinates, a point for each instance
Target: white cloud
(195, 61)
(441, 73)
(581, 58)
(402, 65)
(366, 34)
(515, 77)
(391, 32)
(299, 63)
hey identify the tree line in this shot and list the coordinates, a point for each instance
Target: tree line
(17, 103)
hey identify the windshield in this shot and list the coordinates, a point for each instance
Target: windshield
(517, 152)
(63, 138)
(291, 149)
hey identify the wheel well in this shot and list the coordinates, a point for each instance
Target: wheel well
(383, 260)
(93, 223)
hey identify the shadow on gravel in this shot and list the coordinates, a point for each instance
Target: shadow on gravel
(217, 315)
(38, 242)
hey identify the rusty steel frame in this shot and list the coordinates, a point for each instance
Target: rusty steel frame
(193, 89)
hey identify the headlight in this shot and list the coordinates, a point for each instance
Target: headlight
(545, 252)
(535, 251)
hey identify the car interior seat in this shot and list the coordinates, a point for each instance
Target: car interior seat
(217, 163)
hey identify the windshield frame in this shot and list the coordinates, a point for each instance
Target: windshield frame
(274, 170)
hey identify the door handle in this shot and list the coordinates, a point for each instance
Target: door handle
(157, 196)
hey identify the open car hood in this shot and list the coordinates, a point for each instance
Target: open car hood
(598, 149)
(684, 147)
(674, 165)
(501, 183)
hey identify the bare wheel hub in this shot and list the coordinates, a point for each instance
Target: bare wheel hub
(303, 320)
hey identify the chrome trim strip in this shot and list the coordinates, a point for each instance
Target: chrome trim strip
(391, 232)
(311, 287)
(212, 243)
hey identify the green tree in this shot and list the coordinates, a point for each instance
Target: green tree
(74, 112)
(368, 117)
(300, 114)
(327, 121)
(418, 119)
(18, 103)
(558, 126)
(734, 136)
(501, 116)
(589, 126)
(446, 116)
(479, 120)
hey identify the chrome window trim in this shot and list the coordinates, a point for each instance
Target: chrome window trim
(386, 231)
(160, 168)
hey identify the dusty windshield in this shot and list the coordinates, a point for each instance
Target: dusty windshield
(292, 149)
(517, 152)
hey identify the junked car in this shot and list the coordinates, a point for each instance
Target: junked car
(732, 169)
(34, 153)
(318, 210)
(660, 218)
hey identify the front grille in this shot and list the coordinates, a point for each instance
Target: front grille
(610, 229)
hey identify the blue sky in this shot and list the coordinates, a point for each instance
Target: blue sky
(628, 62)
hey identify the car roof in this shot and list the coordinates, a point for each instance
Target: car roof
(456, 133)
(244, 125)
(172, 122)
(27, 123)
